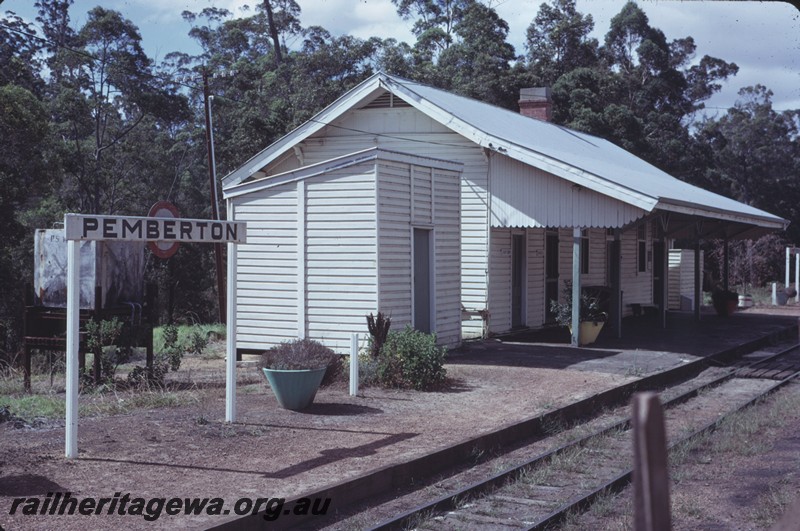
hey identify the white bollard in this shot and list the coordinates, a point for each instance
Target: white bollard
(774, 293)
(797, 275)
(354, 365)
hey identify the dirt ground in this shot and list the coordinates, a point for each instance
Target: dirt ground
(188, 450)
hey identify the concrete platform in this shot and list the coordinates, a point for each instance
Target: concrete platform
(645, 346)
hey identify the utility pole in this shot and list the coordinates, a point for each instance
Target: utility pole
(212, 177)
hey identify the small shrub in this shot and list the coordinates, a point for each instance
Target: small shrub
(410, 359)
(172, 353)
(197, 342)
(378, 327)
(138, 377)
(302, 354)
(169, 357)
(100, 337)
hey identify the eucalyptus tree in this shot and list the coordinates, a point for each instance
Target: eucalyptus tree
(326, 67)
(23, 178)
(258, 98)
(558, 41)
(282, 17)
(756, 155)
(642, 91)
(434, 22)
(479, 63)
(102, 90)
(20, 54)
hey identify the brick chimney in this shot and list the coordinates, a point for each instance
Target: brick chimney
(536, 103)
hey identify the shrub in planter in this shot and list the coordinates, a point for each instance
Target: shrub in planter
(410, 359)
(302, 354)
(724, 301)
(589, 311)
(295, 369)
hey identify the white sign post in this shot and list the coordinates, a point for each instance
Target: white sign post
(787, 285)
(79, 227)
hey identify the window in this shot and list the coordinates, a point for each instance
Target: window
(641, 236)
(584, 252)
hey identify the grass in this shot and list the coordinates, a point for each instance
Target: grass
(29, 407)
(535, 475)
(47, 402)
(52, 405)
(207, 331)
(771, 505)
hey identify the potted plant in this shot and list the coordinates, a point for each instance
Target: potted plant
(295, 370)
(592, 316)
(725, 301)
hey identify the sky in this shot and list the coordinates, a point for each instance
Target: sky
(762, 38)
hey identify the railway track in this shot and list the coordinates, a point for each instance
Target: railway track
(448, 482)
(773, 367)
(540, 492)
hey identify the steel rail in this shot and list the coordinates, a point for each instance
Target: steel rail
(450, 500)
(581, 502)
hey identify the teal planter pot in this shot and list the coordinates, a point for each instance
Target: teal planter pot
(295, 389)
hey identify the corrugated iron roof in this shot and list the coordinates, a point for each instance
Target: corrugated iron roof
(581, 158)
(598, 160)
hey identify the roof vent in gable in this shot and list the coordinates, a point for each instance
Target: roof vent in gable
(387, 100)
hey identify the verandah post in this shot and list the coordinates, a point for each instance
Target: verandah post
(576, 285)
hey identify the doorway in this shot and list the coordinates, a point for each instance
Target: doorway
(518, 268)
(659, 249)
(422, 280)
(551, 273)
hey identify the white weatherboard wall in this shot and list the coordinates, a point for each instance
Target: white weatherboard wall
(435, 205)
(404, 129)
(637, 286)
(315, 244)
(528, 199)
(524, 196)
(681, 278)
(500, 273)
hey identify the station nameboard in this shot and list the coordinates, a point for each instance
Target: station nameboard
(132, 228)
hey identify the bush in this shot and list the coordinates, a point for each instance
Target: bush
(102, 341)
(409, 360)
(378, 327)
(197, 342)
(302, 354)
(172, 353)
(138, 378)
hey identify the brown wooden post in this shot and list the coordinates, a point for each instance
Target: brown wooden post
(26, 361)
(650, 474)
(212, 177)
(148, 322)
(27, 368)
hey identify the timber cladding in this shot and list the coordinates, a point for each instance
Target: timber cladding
(325, 250)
